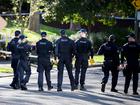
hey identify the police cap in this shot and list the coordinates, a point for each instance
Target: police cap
(83, 30)
(131, 35)
(112, 37)
(22, 37)
(62, 32)
(43, 34)
(17, 33)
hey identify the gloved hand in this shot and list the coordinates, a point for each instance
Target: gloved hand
(91, 61)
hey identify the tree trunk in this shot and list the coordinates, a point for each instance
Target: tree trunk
(34, 22)
(74, 26)
(20, 16)
(34, 18)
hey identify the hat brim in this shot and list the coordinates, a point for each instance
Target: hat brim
(127, 36)
(23, 38)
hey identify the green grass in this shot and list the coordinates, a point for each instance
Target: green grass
(53, 33)
(99, 58)
(5, 70)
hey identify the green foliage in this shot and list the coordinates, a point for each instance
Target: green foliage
(53, 33)
(88, 11)
(120, 34)
(21, 21)
(85, 12)
(101, 37)
(97, 39)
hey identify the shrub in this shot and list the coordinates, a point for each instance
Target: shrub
(120, 34)
(97, 39)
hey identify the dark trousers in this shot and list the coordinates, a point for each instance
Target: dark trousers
(44, 65)
(106, 69)
(68, 63)
(14, 64)
(24, 71)
(81, 66)
(128, 77)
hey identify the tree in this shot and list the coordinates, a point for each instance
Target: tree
(33, 20)
(5, 5)
(89, 11)
(38, 8)
(34, 17)
(21, 21)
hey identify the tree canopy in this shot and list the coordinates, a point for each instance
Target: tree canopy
(87, 11)
(78, 11)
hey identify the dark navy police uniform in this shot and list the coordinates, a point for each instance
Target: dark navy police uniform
(83, 49)
(111, 62)
(131, 52)
(44, 50)
(24, 68)
(65, 50)
(12, 46)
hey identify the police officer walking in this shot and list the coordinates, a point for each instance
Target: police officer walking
(64, 50)
(44, 50)
(12, 46)
(24, 65)
(83, 49)
(131, 51)
(111, 62)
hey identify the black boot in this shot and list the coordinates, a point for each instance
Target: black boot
(23, 87)
(50, 87)
(73, 88)
(103, 87)
(13, 86)
(82, 87)
(125, 91)
(114, 90)
(40, 89)
(135, 93)
(59, 89)
(76, 87)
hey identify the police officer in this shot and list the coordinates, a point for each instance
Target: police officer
(131, 51)
(65, 51)
(24, 65)
(12, 46)
(111, 62)
(83, 49)
(44, 50)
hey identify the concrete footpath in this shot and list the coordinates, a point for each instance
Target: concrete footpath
(93, 95)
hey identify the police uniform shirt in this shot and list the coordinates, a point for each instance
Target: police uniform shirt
(12, 46)
(24, 49)
(65, 47)
(110, 51)
(131, 52)
(44, 48)
(84, 46)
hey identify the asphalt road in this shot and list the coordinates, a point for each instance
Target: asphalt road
(93, 95)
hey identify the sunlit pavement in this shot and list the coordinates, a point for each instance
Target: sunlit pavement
(93, 95)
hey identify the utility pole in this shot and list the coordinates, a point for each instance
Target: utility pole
(136, 4)
(137, 25)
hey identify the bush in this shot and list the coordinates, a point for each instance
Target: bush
(2, 42)
(120, 34)
(97, 39)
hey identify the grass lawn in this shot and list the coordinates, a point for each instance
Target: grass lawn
(5, 70)
(53, 33)
(98, 58)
